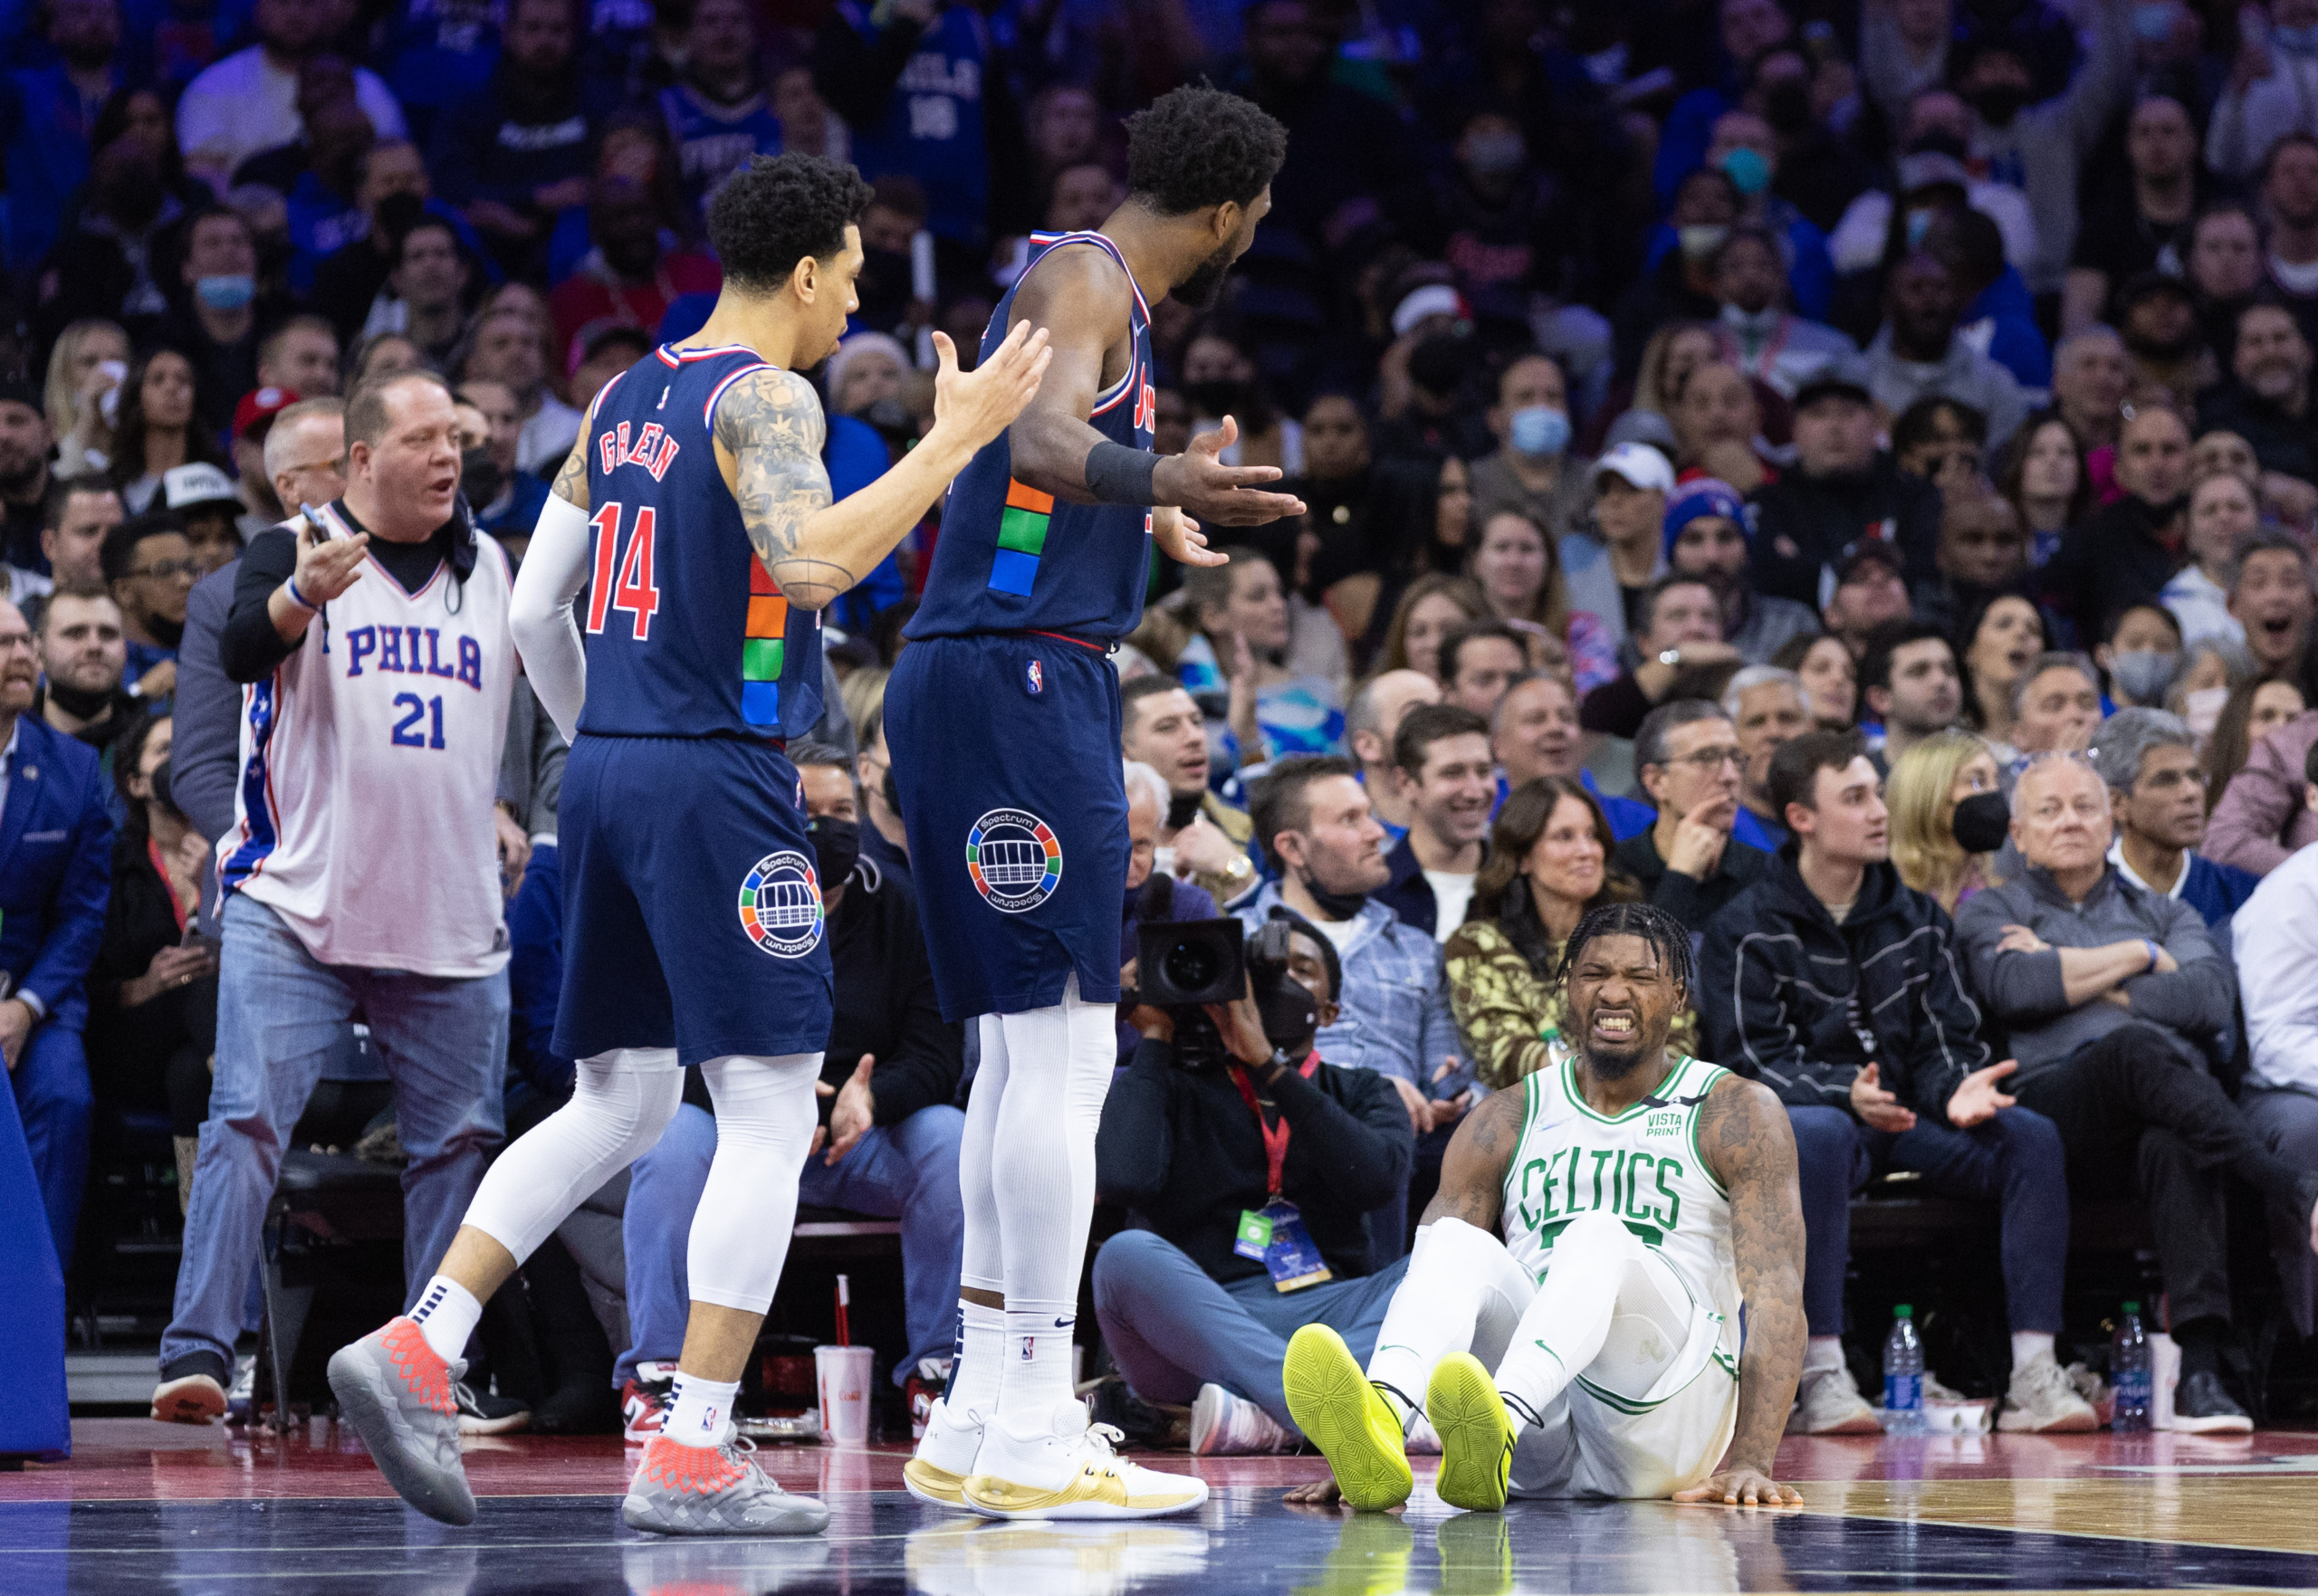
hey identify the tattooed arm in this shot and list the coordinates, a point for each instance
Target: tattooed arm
(1472, 1170)
(768, 430)
(1750, 1147)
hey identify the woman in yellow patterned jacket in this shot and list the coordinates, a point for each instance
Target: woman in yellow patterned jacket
(1548, 863)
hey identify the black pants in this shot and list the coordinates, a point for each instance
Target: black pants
(2134, 1115)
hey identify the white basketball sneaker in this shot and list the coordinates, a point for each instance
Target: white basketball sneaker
(945, 1455)
(1066, 1468)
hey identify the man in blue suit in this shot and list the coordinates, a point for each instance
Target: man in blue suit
(55, 876)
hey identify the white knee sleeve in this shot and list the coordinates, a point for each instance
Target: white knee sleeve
(620, 1103)
(1059, 1068)
(1463, 1293)
(983, 1262)
(765, 1118)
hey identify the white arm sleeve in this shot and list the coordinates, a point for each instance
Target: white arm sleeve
(547, 634)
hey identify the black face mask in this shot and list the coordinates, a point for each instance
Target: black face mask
(1334, 905)
(890, 792)
(81, 704)
(1787, 108)
(1217, 399)
(836, 843)
(1182, 808)
(1982, 822)
(1999, 104)
(479, 475)
(167, 632)
(161, 788)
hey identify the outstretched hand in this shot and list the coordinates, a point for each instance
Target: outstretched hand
(1743, 1488)
(1180, 539)
(979, 405)
(1198, 480)
(1977, 1100)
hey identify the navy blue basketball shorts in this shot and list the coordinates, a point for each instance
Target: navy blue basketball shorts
(1006, 759)
(691, 908)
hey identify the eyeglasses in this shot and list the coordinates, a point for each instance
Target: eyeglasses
(300, 469)
(1708, 759)
(167, 568)
(9, 640)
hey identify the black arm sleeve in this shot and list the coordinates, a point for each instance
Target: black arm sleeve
(856, 76)
(1362, 1156)
(249, 646)
(1132, 1145)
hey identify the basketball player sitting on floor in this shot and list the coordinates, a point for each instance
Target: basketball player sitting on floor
(1642, 1197)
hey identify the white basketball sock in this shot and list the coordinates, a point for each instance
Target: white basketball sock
(2027, 1345)
(702, 1410)
(981, 1329)
(1823, 1352)
(620, 1103)
(446, 1314)
(1058, 1065)
(764, 1130)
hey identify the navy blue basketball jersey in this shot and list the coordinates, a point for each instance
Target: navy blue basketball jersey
(686, 635)
(1012, 558)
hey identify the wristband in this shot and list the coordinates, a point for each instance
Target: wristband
(290, 583)
(2151, 947)
(1117, 474)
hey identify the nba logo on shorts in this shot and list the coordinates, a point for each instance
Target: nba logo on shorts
(1035, 678)
(1014, 859)
(781, 904)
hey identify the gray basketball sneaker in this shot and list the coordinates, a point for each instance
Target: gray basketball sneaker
(397, 1394)
(680, 1490)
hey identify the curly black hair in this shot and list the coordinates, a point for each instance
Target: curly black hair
(1653, 925)
(1193, 147)
(778, 209)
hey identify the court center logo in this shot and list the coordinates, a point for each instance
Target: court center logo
(1014, 859)
(781, 904)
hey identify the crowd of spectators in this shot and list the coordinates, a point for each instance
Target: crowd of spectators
(1845, 474)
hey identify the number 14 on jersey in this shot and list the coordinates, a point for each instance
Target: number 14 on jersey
(634, 590)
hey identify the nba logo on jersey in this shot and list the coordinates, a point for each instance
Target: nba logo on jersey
(781, 904)
(1034, 677)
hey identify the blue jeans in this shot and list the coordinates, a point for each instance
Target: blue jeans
(282, 1019)
(908, 1171)
(2014, 1160)
(1172, 1328)
(55, 1100)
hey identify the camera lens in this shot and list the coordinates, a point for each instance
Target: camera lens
(1192, 965)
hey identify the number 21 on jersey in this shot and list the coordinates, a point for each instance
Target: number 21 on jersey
(633, 589)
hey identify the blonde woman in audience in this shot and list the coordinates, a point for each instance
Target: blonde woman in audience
(1433, 605)
(1268, 687)
(2224, 512)
(82, 395)
(1925, 786)
(1548, 863)
(2254, 709)
(1673, 353)
(1518, 569)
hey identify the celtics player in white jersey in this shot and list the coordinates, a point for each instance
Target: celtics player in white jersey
(1569, 1324)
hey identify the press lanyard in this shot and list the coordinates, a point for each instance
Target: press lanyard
(1275, 1136)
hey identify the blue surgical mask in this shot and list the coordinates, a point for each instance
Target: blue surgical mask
(231, 291)
(2295, 41)
(1749, 170)
(1539, 432)
(1700, 239)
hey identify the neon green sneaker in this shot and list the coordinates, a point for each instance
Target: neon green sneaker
(1475, 1435)
(1355, 1429)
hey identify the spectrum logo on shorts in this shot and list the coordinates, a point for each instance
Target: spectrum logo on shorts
(1014, 859)
(781, 904)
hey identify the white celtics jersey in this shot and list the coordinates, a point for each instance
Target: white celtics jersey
(1643, 1166)
(369, 762)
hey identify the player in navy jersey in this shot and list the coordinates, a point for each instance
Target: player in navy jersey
(695, 512)
(1002, 716)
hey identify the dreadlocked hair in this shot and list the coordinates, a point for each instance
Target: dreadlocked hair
(1653, 925)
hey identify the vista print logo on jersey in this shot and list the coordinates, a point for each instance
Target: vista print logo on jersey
(1014, 859)
(781, 904)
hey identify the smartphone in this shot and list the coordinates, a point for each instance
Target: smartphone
(316, 533)
(195, 937)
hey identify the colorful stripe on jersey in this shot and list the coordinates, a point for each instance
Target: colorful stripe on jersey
(1022, 539)
(763, 649)
(261, 828)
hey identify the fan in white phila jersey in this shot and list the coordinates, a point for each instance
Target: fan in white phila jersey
(1570, 1313)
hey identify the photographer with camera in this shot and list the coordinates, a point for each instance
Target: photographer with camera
(1249, 1166)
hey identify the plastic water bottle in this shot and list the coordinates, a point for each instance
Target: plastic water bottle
(2129, 1373)
(1902, 1375)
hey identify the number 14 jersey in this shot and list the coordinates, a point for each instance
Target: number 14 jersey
(686, 635)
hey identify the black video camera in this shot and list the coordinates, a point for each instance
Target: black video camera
(1185, 965)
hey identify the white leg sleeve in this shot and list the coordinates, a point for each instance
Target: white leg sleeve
(620, 1103)
(764, 1130)
(1058, 1065)
(1463, 1293)
(984, 1261)
(1609, 1307)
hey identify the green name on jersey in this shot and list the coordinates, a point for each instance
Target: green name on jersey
(1627, 1184)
